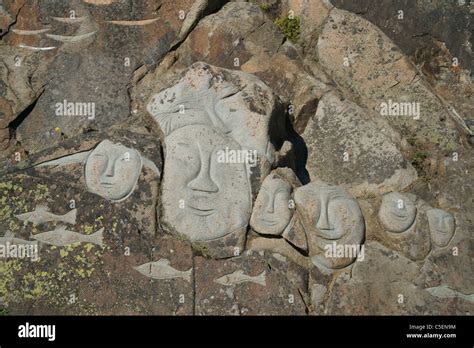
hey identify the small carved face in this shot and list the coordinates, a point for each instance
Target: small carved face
(271, 212)
(337, 213)
(203, 198)
(329, 216)
(112, 170)
(328, 211)
(397, 212)
(441, 225)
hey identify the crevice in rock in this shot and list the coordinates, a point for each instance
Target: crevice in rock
(13, 125)
(304, 300)
(209, 10)
(301, 251)
(12, 23)
(300, 151)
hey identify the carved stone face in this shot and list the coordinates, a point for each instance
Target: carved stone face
(203, 198)
(338, 214)
(397, 212)
(441, 225)
(112, 170)
(329, 215)
(271, 213)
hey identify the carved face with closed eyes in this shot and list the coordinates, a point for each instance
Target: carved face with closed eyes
(203, 198)
(329, 215)
(112, 170)
(397, 212)
(271, 213)
(441, 225)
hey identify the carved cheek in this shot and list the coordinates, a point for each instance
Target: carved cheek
(95, 166)
(98, 164)
(341, 217)
(446, 224)
(261, 203)
(183, 160)
(281, 204)
(127, 171)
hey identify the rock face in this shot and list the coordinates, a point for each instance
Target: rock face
(345, 139)
(250, 285)
(272, 157)
(442, 21)
(82, 41)
(374, 71)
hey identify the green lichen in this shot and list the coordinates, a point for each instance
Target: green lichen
(201, 249)
(418, 158)
(290, 27)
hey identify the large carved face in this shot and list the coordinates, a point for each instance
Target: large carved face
(329, 215)
(112, 170)
(441, 225)
(203, 197)
(397, 212)
(271, 213)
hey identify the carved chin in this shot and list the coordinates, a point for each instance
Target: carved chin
(201, 225)
(267, 225)
(109, 192)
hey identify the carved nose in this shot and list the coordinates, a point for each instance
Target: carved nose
(203, 182)
(323, 221)
(270, 206)
(110, 169)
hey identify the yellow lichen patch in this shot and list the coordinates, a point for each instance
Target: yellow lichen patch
(88, 229)
(6, 185)
(80, 258)
(8, 270)
(41, 193)
(114, 227)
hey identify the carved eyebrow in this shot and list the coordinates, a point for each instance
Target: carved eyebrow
(281, 189)
(337, 195)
